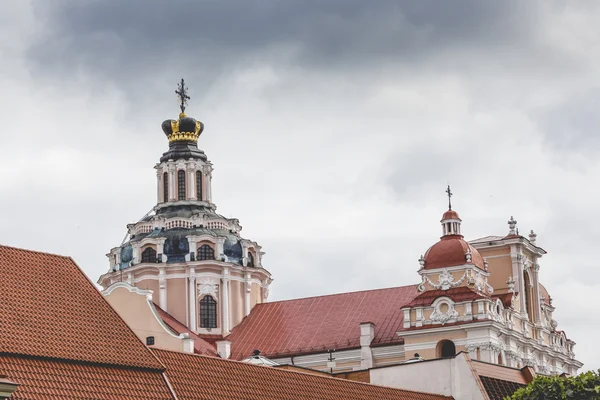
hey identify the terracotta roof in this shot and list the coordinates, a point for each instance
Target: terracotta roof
(499, 381)
(201, 346)
(544, 293)
(232, 380)
(44, 379)
(49, 308)
(450, 214)
(505, 298)
(498, 389)
(320, 323)
(457, 294)
(451, 251)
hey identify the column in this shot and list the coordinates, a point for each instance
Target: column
(537, 317)
(191, 181)
(192, 241)
(208, 183)
(516, 258)
(162, 287)
(159, 250)
(158, 186)
(247, 305)
(192, 299)
(225, 302)
(244, 254)
(219, 249)
(136, 253)
(171, 182)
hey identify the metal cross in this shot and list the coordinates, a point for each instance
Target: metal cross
(182, 94)
(449, 192)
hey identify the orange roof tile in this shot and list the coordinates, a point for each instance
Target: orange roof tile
(49, 308)
(320, 323)
(201, 346)
(451, 251)
(44, 379)
(232, 380)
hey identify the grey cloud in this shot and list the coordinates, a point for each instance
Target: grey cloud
(120, 40)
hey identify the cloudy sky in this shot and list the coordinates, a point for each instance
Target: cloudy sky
(334, 127)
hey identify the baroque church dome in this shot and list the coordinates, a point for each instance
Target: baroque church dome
(452, 249)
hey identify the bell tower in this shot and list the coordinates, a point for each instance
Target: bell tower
(198, 266)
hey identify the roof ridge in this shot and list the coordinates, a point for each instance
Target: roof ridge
(80, 362)
(36, 252)
(285, 371)
(337, 294)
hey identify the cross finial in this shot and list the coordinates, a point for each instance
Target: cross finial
(449, 193)
(182, 94)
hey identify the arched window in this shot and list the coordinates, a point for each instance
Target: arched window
(149, 255)
(181, 184)
(528, 296)
(205, 252)
(250, 259)
(500, 361)
(446, 348)
(199, 185)
(165, 187)
(208, 312)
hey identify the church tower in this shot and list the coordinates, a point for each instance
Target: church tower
(199, 268)
(484, 297)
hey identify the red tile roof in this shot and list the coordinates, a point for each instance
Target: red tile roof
(451, 251)
(49, 308)
(233, 380)
(201, 346)
(450, 214)
(500, 381)
(320, 323)
(457, 294)
(45, 379)
(498, 389)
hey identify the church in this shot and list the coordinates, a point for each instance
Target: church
(185, 279)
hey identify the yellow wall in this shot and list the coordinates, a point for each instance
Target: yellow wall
(134, 309)
(176, 299)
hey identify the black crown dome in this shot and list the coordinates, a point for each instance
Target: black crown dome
(183, 133)
(185, 128)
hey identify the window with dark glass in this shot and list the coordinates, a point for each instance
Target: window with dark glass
(208, 312)
(149, 255)
(250, 259)
(181, 184)
(205, 252)
(165, 187)
(199, 185)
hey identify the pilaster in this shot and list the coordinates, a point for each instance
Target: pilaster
(191, 169)
(162, 287)
(225, 301)
(171, 181)
(247, 291)
(192, 298)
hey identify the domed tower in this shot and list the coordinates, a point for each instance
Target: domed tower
(200, 269)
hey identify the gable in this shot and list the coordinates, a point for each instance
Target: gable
(49, 308)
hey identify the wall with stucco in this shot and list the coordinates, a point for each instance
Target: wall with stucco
(449, 377)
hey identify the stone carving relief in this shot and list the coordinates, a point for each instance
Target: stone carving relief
(445, 281)
(443, 312)
(472, 347)
(207, 286)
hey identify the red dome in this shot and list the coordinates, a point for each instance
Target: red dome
(451, 214)
(451, 251)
